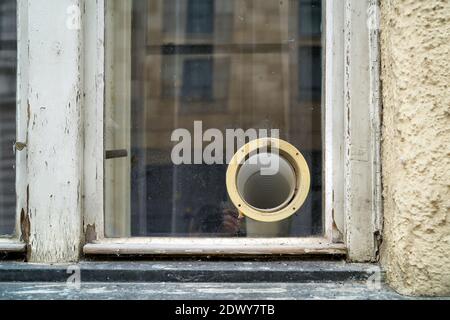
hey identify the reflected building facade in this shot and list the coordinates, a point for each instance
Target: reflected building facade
(230, 64)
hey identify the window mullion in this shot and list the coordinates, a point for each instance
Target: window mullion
(54, 127)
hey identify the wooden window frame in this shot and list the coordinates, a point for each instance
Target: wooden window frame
(352, 137)
(351, 133)
(14, 243)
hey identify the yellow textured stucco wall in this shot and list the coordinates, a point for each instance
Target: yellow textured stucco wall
(415, 44)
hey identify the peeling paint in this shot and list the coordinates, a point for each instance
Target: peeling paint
(54, 134)
(93, 96)
(24, 227)
(90, 232)
(362, 189)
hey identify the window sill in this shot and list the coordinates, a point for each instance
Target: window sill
(194, 280)
(11, 246)
(197, 291)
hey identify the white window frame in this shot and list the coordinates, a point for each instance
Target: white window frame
(73, 221)
(49, 129)
(352, 151)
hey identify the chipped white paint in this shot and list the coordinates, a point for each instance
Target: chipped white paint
(93, 111)
(50, 124)
(50, 92)
(361, 119)
(352, 172)
(333, 112)
(54, 139)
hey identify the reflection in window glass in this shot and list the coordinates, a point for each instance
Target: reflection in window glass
(200, 16)
(8, 61)
(309, 74)
(310, 15)
(197, 79)
(251, 64)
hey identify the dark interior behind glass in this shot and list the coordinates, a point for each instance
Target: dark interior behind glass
(230, 64)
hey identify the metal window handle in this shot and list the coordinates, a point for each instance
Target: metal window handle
(20, 145)
(114, 154)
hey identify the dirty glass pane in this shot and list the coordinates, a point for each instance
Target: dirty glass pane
(208, 64)
(8, 63)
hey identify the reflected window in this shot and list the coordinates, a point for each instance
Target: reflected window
(200, 16)
(8, 65)
(171, 11)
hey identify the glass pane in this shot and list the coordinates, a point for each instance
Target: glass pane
(199, 65)
(8, 63)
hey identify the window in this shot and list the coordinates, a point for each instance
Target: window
(8, 65)
(197, 79)
(262, 65)
(256, 87)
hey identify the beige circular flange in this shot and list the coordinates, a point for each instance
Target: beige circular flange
(295, 159)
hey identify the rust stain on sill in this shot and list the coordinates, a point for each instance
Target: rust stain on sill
(91, 234)
(25, 229)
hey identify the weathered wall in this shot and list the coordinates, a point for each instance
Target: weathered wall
(415, 44)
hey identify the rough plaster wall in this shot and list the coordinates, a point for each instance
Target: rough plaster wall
(415, 44)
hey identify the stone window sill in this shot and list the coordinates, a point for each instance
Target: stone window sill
(195, 280)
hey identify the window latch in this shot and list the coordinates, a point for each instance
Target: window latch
(114, 154)
(19, 146)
